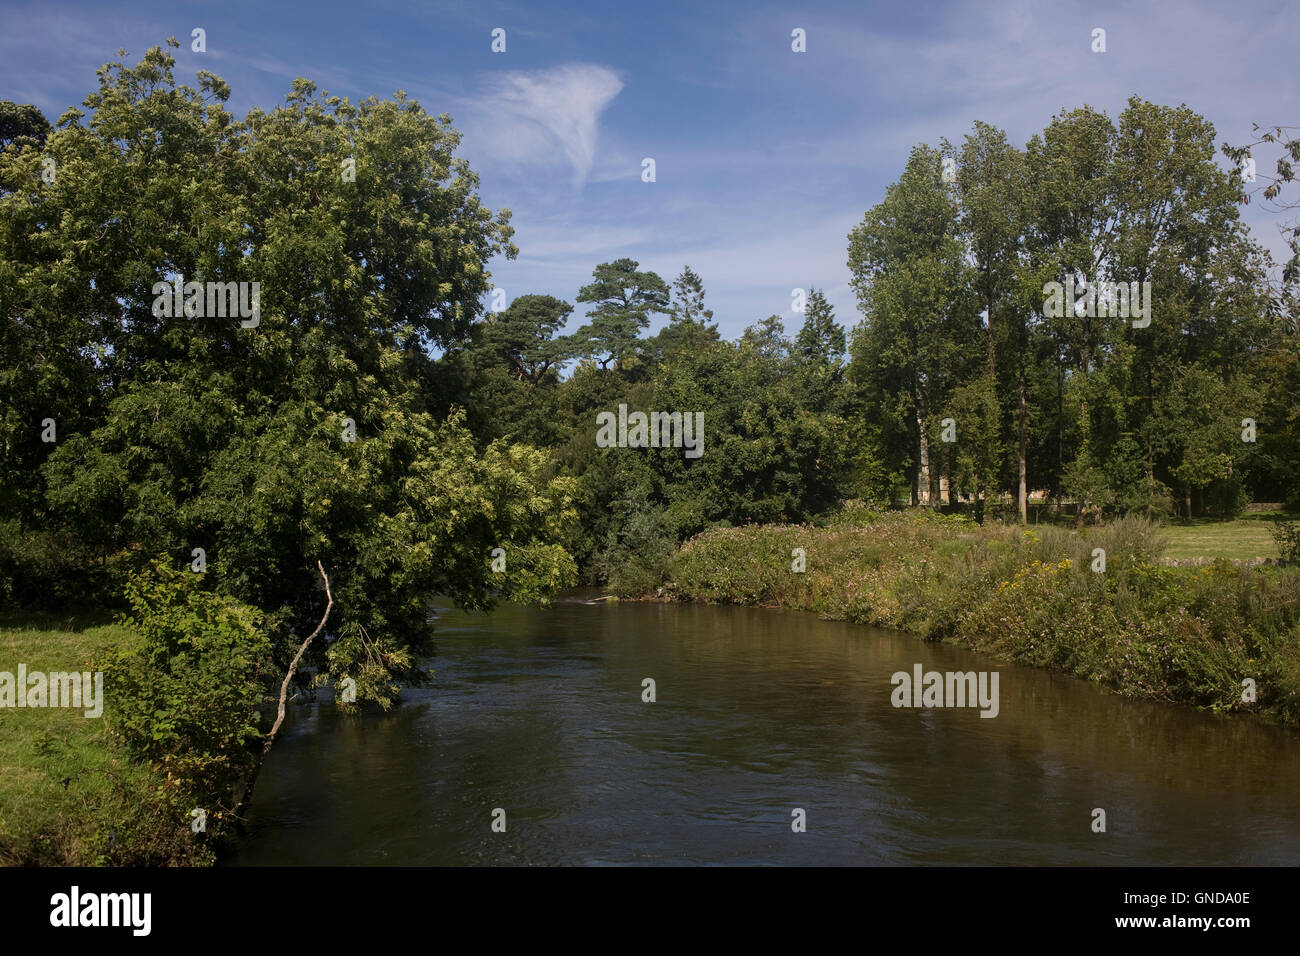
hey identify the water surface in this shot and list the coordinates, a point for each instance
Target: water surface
(758, 712)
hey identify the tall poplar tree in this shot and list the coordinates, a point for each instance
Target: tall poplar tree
(911, 276)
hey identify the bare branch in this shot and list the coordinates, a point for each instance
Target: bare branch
(293, 667)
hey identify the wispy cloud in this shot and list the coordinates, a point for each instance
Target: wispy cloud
(535, 118)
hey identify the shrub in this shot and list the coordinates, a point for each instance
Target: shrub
(1227, 497)
(186, 701)
(1031, 596)
(1287, 536)
(639, 547)
(853, 514)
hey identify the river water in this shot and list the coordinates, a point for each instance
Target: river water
(758, 713)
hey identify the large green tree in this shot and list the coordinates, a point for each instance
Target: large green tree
(992, 190)
(919, 330)
(819, 354)
(524, 336)
(689, 325)
(303, 431)
(22, 124)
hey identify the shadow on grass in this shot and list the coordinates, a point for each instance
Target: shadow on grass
(68, 619)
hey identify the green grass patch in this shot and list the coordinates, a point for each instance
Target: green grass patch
(69, 795)
(1242, 539)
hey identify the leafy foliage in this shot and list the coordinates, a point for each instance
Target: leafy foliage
(1287, 536)
(313, 435)
(187, 700)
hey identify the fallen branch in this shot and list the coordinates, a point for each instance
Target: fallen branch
(293, 668)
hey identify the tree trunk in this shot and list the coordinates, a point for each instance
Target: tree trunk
(1060, 419)
(1151, 476)
(988, 305)
(923, 472)
(1022, 451)
(1085, 447)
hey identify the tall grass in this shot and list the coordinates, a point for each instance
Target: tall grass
(1040, 597)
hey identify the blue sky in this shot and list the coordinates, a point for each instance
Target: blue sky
(765, 159)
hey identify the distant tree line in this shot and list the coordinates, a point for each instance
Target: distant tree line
(962, 384)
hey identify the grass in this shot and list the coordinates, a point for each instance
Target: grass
(1242, 539)
(68, 795)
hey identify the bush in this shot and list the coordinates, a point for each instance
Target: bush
(1031, 596)
(853, 514)
(639, 545)
(1227, 497)
(187, 700)
(1287, 536)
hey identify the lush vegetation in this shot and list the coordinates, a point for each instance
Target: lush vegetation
(961, 387)
(310, 436)
(68, 795)
(193, 467)
(1032, 596)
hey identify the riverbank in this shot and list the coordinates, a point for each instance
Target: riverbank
(1096, 605)
(69, 793)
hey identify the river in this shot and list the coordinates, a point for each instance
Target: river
(539, 712)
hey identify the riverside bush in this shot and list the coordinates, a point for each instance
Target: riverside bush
(48, 569)
(1030, 596)
(186, 701)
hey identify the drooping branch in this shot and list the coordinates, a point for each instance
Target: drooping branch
(293, 667)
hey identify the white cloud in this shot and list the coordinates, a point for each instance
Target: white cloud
(522, 118)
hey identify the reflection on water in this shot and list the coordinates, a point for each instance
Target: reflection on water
(540, 712)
